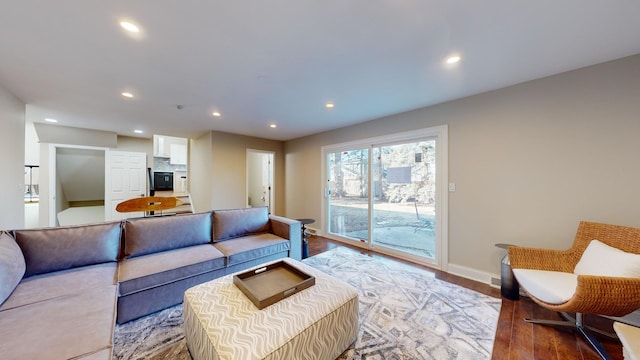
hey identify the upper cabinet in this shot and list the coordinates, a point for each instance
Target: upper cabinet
(170, 147)
(177, 154)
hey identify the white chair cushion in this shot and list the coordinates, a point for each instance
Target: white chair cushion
(603, 260)
(630, 339)
(552, 287)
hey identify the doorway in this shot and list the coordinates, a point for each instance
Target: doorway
(76, 185)
(260, 188)
(84, 183)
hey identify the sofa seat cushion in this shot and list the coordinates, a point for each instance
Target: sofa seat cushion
(140, 273)
(39, 288)
(62, 328)
(12, 266)
(230, 224)
(251, 247)
(53, 249)
(156, 234)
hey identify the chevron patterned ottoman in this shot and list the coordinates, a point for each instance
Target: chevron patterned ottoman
(320, 322)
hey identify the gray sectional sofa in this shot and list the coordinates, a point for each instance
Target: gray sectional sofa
(63, 289)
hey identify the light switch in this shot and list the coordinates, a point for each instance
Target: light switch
(452, 187)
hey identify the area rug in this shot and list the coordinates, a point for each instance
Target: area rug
(405, 313)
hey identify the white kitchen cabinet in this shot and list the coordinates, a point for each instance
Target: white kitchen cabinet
(178, 154)
(170, 147)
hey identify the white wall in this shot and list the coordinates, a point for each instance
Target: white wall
(58, 134)
(12, 123)
(529, 161)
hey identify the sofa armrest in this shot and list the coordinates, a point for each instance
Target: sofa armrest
(288, 229)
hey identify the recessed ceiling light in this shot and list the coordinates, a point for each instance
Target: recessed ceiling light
(273, 126)
(51, 120)
(138, 131)
(129, 26)
(329, 105)
(127, 94)
(216, 114)
(453, 59)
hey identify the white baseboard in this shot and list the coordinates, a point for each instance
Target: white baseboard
(473, 274)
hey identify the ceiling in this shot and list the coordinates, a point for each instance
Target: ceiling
(279, 62)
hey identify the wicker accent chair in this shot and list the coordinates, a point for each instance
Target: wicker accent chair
(602, 295)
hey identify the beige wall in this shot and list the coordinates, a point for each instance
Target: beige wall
(12, 123)
(201, 171)
(529, 161)
(136, 144)
(218, 166)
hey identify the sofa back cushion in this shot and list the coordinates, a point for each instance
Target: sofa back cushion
(52, 249)
(229, 224)
(12, 266)
(155, 234)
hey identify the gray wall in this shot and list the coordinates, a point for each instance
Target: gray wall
(529, 161)
(12, 122)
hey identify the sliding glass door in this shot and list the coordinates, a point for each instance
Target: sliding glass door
(348, 190)
(404, 197)
(388, 194)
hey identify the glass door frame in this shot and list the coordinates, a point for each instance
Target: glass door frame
(440, 133)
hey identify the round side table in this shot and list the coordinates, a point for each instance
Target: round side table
(509, 287)
(304, 236)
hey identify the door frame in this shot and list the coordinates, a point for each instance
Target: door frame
(272, 186)
(109, 213)
(440, 133)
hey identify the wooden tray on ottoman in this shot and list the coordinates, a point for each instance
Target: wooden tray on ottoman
(269, 284)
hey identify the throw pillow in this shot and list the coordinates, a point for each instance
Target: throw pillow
(12, 266)
(601, 259)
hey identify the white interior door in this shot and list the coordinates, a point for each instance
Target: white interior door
(125, 179)
(260, 190)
